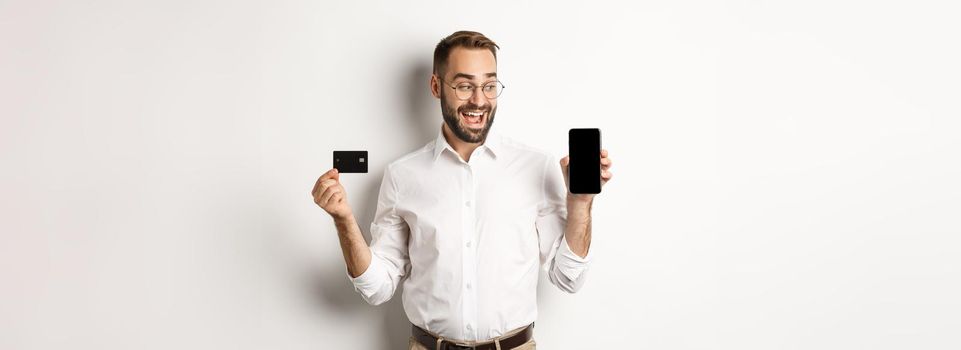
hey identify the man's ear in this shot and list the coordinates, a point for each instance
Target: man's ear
(435, 85)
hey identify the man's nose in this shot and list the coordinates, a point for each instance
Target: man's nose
(478, 98)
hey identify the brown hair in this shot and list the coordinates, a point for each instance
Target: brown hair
(463, 38)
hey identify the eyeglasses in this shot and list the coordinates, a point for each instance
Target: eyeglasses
(464, 91)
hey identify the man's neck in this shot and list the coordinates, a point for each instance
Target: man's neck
(464, 149)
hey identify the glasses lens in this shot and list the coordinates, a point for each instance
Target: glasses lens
(464, 91)
(492, 89)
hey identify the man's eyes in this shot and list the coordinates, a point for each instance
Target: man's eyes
(487, 86)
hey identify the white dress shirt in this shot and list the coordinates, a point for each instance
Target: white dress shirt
(466, 238)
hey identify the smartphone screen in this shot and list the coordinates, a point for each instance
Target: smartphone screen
(585, 166)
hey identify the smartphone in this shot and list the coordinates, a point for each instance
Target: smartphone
(350, 161)
(584, 170)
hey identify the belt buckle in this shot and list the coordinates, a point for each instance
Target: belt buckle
(455, 346)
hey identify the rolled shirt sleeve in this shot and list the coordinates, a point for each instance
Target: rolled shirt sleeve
(390, 262)
(565, 269)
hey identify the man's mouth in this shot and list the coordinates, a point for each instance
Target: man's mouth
(474, 119)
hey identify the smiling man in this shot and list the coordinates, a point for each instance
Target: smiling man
(465, 222)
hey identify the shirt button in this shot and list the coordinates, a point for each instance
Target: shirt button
(468, 244)
(468, 327)
(467, 203)
(468, 285)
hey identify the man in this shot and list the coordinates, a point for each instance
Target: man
(465, 221)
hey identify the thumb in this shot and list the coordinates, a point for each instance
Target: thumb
(331, 174)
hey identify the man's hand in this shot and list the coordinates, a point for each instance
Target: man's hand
(330, 195)
(606, 176)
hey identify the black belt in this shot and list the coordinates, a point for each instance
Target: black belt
(430, 341)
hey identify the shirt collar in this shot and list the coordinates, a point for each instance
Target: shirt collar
(492, 144)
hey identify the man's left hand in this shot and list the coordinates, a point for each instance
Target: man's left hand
(606, 175)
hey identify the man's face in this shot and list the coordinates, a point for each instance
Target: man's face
(469, 120)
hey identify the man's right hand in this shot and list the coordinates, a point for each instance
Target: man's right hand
(330, 195)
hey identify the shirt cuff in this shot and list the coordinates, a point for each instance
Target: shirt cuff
(369, 281)
(571, 264)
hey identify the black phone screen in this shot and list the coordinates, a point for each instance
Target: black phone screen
(585, 163)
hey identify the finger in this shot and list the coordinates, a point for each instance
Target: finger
(329, 174)
(313, 192)
(606, 161)
(324, 185)
(565, 161)
(337, 198)
(606, 166)
(332, 173)
(329, 183)
(606, 175)
(325, 197)
(603, 153)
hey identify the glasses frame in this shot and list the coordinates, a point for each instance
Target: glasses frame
(474, 88)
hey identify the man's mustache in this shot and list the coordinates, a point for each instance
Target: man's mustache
(470, 107)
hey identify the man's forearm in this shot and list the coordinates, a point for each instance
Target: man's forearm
(578, 230)
(352, 243)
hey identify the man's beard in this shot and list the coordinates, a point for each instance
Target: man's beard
(454, 121)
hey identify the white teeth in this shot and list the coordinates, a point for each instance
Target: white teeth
(474, 114)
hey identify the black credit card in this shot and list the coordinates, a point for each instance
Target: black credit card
(351, 161)
(584, 170)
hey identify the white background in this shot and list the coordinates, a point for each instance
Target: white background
(786, 175)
